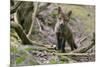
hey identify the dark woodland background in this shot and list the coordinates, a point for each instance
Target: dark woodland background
(33, 38)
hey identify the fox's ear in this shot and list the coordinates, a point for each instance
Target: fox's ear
(69, 13)
(59, 10)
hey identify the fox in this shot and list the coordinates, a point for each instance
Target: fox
(63, 32)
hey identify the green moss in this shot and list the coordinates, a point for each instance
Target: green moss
(14, 38)
(13, 33)
(54, 14)
(29, 49)
(61, 62)
(33, 62)
(53, 61)
(20, 60)
(14, 50)
(64, 59)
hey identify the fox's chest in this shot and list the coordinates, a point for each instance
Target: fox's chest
(64, 31)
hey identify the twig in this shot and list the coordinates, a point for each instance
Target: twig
(39, 24)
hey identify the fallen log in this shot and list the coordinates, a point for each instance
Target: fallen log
(25, 40)
(18, 28)
(75, 54)
(69, 60)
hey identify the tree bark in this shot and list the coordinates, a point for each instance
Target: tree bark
(13, 9)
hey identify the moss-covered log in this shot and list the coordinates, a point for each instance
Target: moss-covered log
(21, 33)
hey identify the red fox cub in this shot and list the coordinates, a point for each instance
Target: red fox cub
(63, 33)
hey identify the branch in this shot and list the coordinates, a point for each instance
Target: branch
(83, 49)
(65, 58)
(86, 48)
(36, 11)
(75, 54)
(33, 18)
(69, 56)
(39, 25)
(82, 39)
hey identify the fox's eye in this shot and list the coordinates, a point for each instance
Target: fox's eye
(67, 19)
(59, 17)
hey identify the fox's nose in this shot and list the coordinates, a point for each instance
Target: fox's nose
(62, 24)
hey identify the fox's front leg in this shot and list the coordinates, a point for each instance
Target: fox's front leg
(63, 45)
(59, 41)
